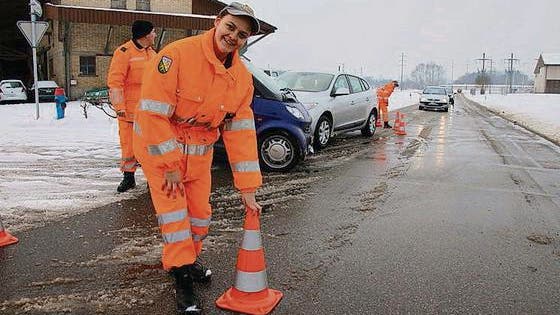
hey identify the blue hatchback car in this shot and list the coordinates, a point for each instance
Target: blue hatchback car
(282, 123)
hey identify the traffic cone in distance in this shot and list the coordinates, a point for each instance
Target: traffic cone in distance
(400, 125)
(5, 237)
(250, 294)
(397, 122)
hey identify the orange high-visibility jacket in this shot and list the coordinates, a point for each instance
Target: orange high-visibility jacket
(187, 97)
(125, 76)
(383, 95)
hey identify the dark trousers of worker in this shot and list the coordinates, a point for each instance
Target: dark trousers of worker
(128, 161)
(183, 221)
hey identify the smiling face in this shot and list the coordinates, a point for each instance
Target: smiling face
(231, 33)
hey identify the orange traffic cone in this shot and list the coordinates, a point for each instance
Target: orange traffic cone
(399, 125)
(250, 294)
(5, 237)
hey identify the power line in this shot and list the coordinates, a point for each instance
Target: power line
(402, 70)
(510, 60)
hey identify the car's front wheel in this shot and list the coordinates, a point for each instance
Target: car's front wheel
(369, 128)
(322, 133)
(278, 152)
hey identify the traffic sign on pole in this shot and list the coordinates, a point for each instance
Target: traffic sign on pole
(26, 28)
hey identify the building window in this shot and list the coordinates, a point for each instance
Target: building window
(118, 4)
(87, 65)
(143, 5)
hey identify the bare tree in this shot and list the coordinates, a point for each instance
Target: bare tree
(428, 74)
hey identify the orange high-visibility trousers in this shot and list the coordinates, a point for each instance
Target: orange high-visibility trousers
(383, 109)
(128, 161)
(183, 221)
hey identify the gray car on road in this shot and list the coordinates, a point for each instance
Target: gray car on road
(337, 102)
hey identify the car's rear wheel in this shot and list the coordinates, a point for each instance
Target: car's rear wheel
(369, 128)
(322, 133)
(278, 152)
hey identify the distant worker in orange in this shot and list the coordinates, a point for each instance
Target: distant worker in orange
(195, 90)
(125, 81)
(383, 94)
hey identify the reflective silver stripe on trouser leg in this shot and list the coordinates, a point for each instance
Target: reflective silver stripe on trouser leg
(175, 237)
(172, 217)
(201, 223)
(251, 281)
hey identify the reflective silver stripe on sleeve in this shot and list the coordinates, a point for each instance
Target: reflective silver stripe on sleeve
(198, 149)
(200, 222)
(169, 238)
(251, 281)
(162, 148)
(198, 238)
(246, 166)
(171, 217)
(242, 124)
(136, 128)
(252, 240)
(156, 107)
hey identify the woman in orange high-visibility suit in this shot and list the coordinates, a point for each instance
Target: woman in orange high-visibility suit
(196, 89)
(125, 80)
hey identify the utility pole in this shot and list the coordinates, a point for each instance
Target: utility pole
(452, 64)
(483, 59)
(402, 70)
(510, 60)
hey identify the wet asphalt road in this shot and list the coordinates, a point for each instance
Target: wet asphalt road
(459, 216)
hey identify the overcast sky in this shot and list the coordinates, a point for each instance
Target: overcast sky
(369, 36)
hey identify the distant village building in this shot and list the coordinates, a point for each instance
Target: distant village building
(83, 34)
(547, 74)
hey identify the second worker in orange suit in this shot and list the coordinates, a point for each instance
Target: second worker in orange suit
(195, 90)
(383, 94)
(125, 81)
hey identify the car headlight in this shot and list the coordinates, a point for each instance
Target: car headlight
(295, 112)
(423, 99)
(310, 106)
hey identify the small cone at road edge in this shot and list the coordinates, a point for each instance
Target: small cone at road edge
(5, 237)
(399, 125)
(250, 294)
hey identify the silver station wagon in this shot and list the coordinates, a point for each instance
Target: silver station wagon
(337, 102)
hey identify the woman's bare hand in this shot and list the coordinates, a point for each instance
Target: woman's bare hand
(173, 183)
(250, 202)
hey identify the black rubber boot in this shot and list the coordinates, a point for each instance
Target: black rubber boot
(199, 273)
(127, 183)
(187, 303)
(387, 126)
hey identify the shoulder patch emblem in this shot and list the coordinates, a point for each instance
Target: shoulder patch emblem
(123, 49)
(164, 64)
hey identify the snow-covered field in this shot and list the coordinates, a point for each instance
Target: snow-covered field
(55, 168)
(537, 112)
(51, 168)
